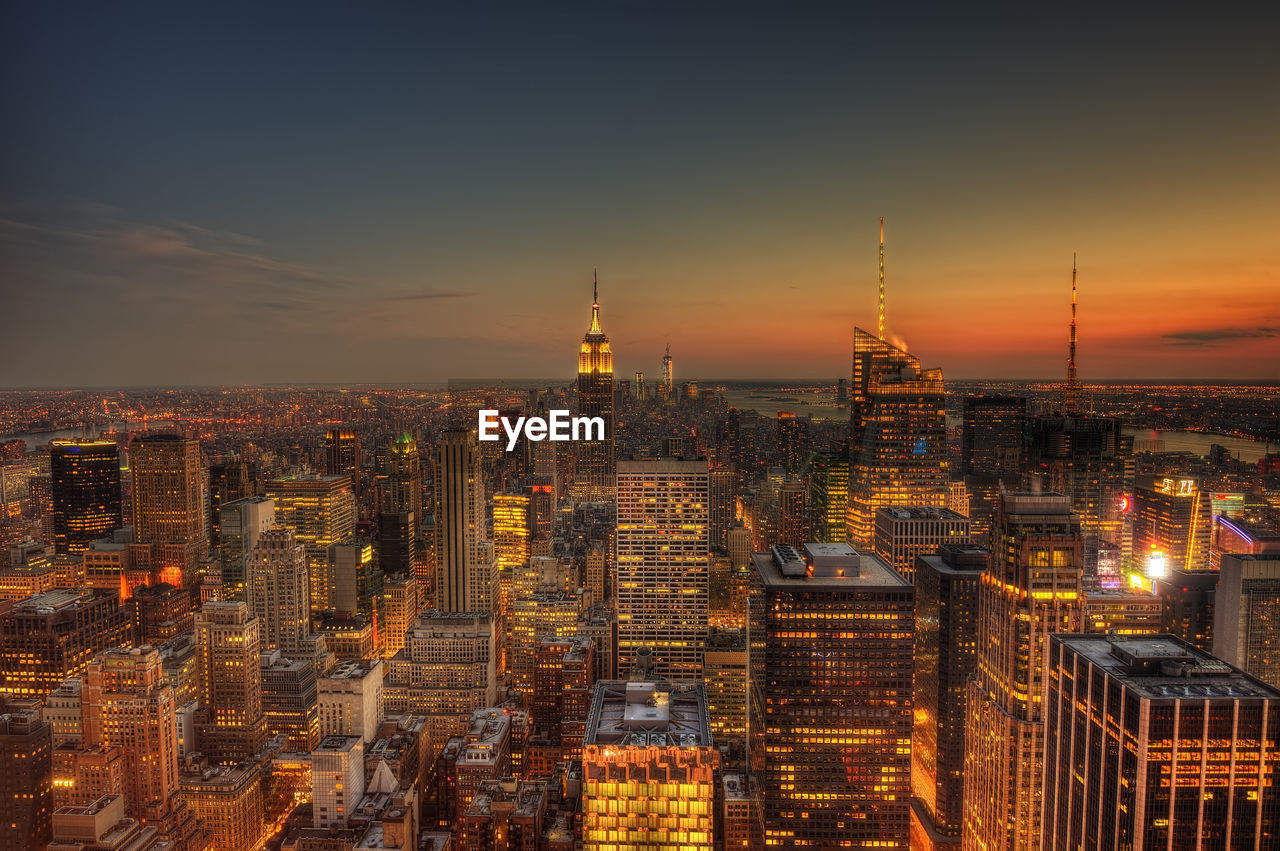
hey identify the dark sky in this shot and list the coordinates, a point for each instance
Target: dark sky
(236, 193)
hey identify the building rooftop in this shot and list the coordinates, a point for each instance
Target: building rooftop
(338, 744)
(920, 512)
(1165, 666)
(649, 714)
(830, 566)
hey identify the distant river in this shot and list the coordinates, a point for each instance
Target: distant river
(1148, 439)
(37, 438)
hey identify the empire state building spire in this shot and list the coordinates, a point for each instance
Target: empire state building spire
(595, 330)
(594, 471)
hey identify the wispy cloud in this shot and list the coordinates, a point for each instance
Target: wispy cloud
(1213, 336)
(428, 296)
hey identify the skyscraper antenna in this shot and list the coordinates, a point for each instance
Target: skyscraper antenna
(1073, 385)
(595, 285)
(881, 277)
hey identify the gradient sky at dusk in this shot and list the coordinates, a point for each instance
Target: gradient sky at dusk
(223, 193)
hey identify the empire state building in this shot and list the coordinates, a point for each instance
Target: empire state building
(594, 475)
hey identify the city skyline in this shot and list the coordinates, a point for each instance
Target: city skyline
(387, 198)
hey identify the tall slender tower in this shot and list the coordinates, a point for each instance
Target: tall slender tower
(881, 315)
(668, 376)
(1073, 383)
(1030, 590)
(465, 572)
(594, 478)
(169, 511)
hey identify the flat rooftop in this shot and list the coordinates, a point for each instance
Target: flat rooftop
(920, 512)
(830, 566)
(1166, 667)
(649, 714)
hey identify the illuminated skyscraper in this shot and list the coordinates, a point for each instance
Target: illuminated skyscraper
(404, 476)
(1031, 590)
(662, 572)
(279, 590)
(648, 769)
(168, 473)
(1151, 743)
(905, 532)
(1246, 611)
(85, 485)
(793, 442)
(946, 648)
(1090, 460)
(793, 514)
(355, 580)
(829, 731)
(230, 724)
(1172, 522)
(26, 773)
(241, 522)
(51, 636)
(321, 510)
(466, 577)
(723, 488)
(342, 456)
(512, 536)
(127, 703)
(593, 479)
(668, 376)
(829, 494)
(898, 442)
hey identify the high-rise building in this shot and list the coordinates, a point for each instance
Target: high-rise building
(397, 542)
(26, 775)
(648, 769)
(355, 581)
(663, 570)
(240, 523)
(85, 487)
(793, 514)
(127, 703)
(1246, 615)
(321, 510)
(564, 675)
(169, 511)
(542, 613)
(1031, 590)
(229, 800)
(1151, 743)
(898, 437)
(512, 539)
(1091, 461)
(350, 700)
(722, 486)
(725, 674)
(51, 636)
(597, 564)
(1239, 537)
(905, 532)
(1122, 611)
(466, 577)
(342, 456)
(230, 725)
(946, 650)
(1172, 522)
(447, 670)
(337, 780)
(279, 591)
(289, 700)
(593, 479)
(1187, 601)
(793, 442)
(400, 608)
(829, 494)
(991, 439)
(404, 476)
(829, 730)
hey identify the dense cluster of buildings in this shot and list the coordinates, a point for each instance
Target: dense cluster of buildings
(706, 629)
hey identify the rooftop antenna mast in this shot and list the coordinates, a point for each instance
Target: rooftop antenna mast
(882, 278)
(1073, 383)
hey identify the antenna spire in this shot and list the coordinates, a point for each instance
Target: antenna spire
(1073, 383)
(881, 326)
(595, 302)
